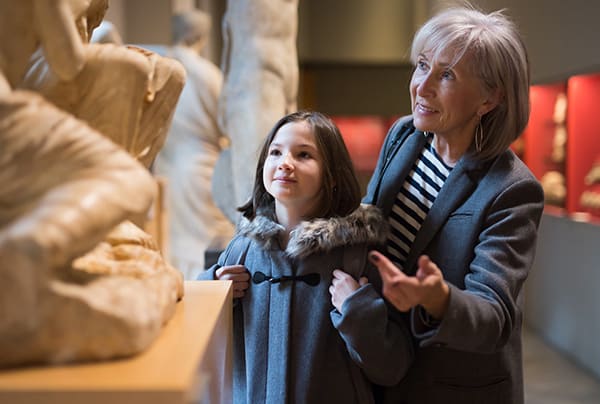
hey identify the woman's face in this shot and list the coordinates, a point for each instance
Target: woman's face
(293, 169)
(447, 100)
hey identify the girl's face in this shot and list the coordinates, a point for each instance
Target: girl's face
(293, 169)
(447, 100)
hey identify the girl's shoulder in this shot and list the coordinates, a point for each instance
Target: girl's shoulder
(236, 251)
(365, 226)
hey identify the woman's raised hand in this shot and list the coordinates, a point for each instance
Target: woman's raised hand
(427, 288)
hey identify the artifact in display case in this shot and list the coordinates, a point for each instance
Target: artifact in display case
(555, 190)
(590, 198)
(559, 141)
(583, 161)
(545, 140)
(80, 280)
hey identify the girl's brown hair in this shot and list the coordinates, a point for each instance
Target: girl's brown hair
(341, 190)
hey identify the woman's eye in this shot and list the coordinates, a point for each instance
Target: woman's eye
(421, 65)
(447, 74)
(274, 152)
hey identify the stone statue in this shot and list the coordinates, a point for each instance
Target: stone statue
(260, 65)
(191, 150)
(78, 280)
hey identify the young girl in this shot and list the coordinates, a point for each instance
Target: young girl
(305, 332)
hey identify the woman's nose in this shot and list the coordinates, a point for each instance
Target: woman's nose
(424, 85)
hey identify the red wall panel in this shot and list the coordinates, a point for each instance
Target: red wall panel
(539, 133)
(364, 137)
(583, 146)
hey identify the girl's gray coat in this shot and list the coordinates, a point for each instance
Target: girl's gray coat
(290, 344)
(481, 231)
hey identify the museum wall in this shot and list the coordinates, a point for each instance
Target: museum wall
(562, 36)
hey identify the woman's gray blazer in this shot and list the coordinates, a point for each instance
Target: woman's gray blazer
(481, 232)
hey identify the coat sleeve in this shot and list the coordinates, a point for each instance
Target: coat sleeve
(234, 254)
(482, 315)
(380, 345)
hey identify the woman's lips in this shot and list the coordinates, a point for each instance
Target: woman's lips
(425, 109)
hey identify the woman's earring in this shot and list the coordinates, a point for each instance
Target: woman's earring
(479, 136)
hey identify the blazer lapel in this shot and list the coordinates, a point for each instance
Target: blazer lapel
(460, 184)
(398, 169)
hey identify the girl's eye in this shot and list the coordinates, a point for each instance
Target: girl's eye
(274, 152)
(304, 155)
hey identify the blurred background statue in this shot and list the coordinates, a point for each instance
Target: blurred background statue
(78, 280)
(191, 150)
(106, 32)
(260, 65)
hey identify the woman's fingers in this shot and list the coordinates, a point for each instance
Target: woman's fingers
(388, 271)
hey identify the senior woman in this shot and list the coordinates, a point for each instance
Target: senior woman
(463, 211)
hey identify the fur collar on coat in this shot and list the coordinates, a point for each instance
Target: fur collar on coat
(364, 225)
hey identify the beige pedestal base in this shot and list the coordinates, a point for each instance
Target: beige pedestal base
(190, 362)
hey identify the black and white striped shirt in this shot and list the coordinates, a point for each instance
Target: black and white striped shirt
(414, 200)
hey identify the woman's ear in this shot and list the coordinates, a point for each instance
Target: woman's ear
(494, 98)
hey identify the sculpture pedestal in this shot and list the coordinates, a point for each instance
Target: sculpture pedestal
(190, 362)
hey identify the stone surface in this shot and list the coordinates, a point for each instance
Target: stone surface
(78, 282)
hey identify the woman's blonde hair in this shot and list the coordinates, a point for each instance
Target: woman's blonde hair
(499, 59)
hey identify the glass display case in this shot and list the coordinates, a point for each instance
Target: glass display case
(562, 144)
(583, 151)
(544, 140)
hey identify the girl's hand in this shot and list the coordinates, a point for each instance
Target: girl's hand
(427, 288)
(342, 286)
(239, 275)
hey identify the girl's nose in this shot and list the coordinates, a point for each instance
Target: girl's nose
(286, 162)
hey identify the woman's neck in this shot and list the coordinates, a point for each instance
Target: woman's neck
(450, 150)
(452, 146)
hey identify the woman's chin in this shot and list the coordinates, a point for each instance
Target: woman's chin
(423, 126)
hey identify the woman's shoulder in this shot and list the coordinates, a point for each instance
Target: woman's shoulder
(513, 169)
(508, 175)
